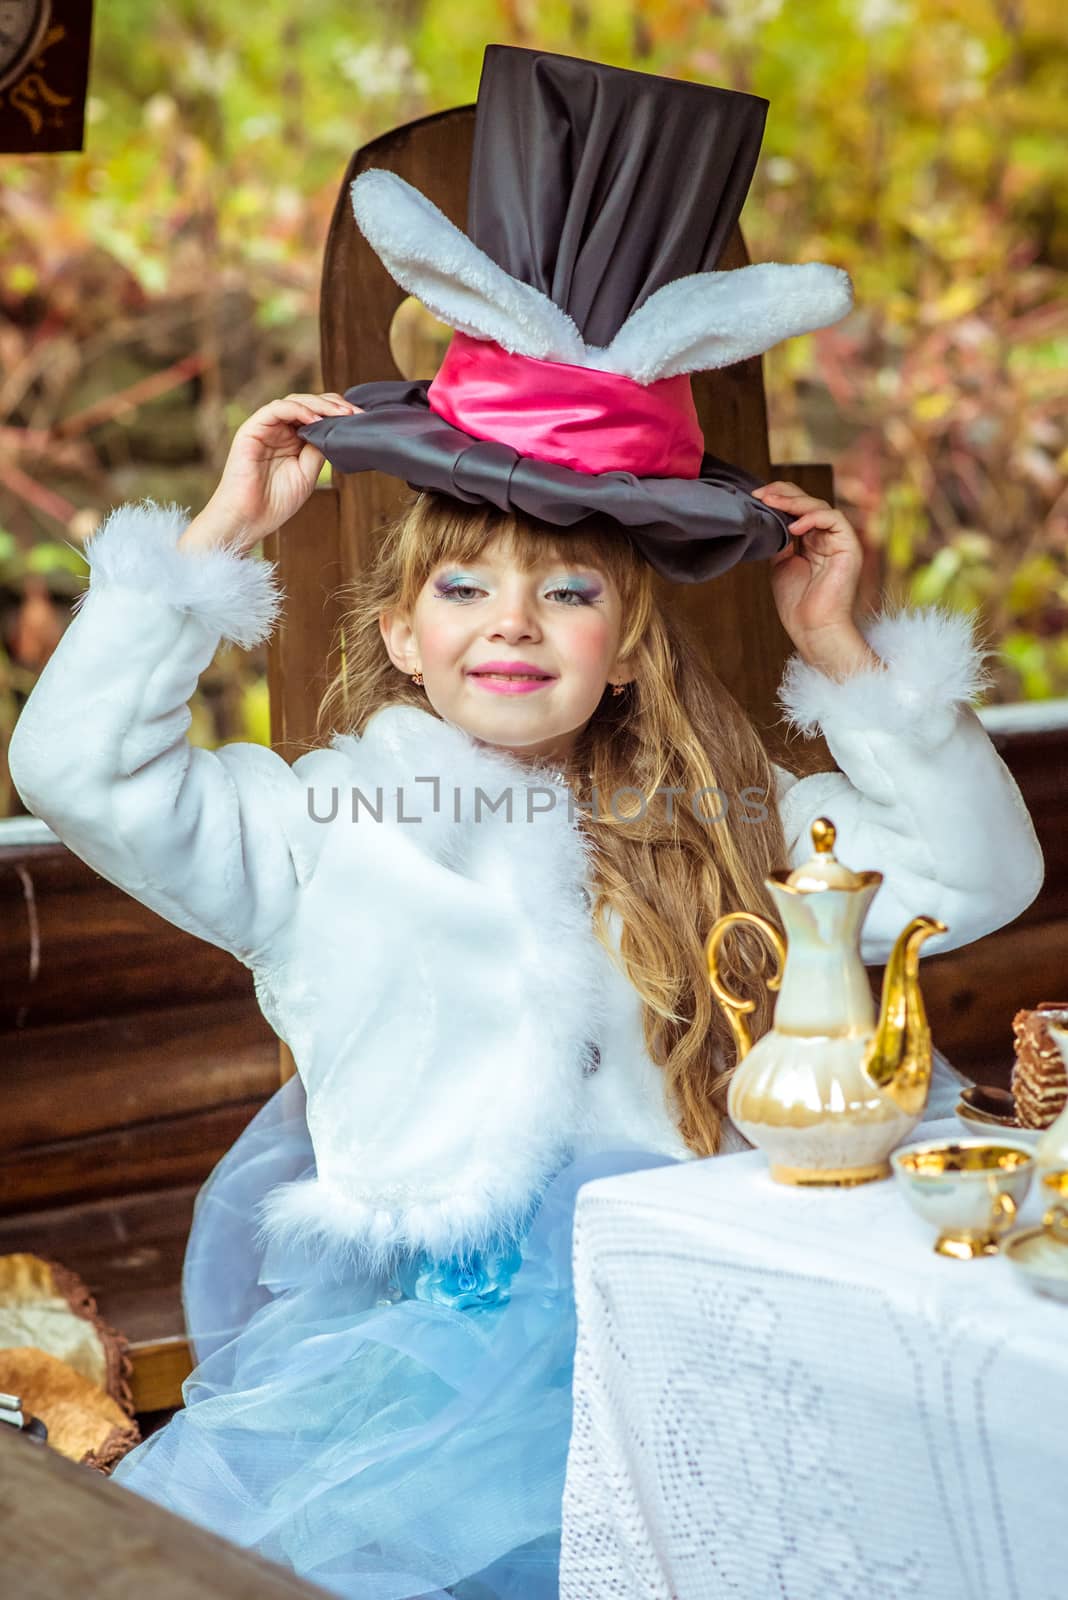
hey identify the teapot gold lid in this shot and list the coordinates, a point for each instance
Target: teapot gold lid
(823, 870)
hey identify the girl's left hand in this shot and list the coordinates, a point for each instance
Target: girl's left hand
(815, 579)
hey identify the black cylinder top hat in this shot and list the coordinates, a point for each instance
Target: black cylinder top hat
(583, 294)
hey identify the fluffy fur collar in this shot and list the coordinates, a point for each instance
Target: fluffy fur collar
(438, 986)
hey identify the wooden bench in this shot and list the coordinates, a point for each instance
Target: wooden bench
(132, 1057)
(68, 1531)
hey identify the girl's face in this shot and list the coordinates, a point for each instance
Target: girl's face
(517, 659)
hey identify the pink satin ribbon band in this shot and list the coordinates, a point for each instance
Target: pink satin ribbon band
(573, 416)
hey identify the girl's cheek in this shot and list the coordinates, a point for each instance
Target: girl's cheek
(436, 635)
(588, 647)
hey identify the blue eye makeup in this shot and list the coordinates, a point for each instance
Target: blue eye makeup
(583, 590)
(587, 589)
(454, 580)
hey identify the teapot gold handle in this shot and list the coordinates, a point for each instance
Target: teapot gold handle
(735, 1007)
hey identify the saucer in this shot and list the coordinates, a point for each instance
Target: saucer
(976, 1122)
(1039, 1256)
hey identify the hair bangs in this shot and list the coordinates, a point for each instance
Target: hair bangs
(448, 530)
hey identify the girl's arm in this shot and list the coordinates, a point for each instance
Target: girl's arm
(922, 795)
(217, 842)
(211, 840)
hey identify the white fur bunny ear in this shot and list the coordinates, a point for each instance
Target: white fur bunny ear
(430, 257)
(712, 319)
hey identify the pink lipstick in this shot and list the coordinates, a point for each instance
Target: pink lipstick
(511, 677)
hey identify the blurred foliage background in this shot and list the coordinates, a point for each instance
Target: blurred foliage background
(159, 287)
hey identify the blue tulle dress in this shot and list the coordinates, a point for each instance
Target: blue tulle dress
(385, 1437)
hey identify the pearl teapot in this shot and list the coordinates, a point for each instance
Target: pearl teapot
(832, 1087)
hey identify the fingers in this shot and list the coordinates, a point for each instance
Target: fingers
(296, 411)
(320, 405)
(817, 531)
(789, 497)
(779, 487)
(807, 513)
(347, 403)
(310, 461)
(832, 521)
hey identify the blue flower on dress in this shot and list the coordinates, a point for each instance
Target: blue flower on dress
(469, 1283)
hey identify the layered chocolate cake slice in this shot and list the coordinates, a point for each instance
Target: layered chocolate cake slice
(1039, 1080)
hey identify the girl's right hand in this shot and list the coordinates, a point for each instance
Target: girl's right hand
(269, 473)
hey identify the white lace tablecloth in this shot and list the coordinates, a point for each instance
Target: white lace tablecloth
(784, 1394)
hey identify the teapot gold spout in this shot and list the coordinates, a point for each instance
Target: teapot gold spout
(831, 1088)
(898, 1056)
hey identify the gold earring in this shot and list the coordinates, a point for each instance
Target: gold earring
(417, 677)
(619, 688)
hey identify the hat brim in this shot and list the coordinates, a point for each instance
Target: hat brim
(688, 529)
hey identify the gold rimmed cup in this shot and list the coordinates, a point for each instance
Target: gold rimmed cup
(970, 1189)
(1057, 1215)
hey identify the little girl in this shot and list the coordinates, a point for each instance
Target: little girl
(477, 912)
(490, 1000)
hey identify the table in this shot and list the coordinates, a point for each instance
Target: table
(784, 1394)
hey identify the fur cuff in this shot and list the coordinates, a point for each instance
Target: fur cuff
(930, 664)
(136, 548)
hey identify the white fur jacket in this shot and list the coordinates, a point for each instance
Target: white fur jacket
(437, 977)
